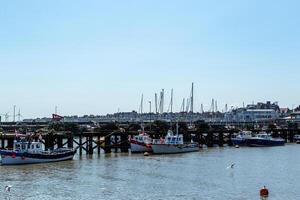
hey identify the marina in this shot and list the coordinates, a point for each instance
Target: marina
(197, 175)
(149, 100)
(116, 137)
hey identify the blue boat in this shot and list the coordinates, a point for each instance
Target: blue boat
(265, 140)
(241, 138)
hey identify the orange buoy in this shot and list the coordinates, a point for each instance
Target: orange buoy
(264, 192)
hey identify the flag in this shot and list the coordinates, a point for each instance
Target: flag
(56, 117)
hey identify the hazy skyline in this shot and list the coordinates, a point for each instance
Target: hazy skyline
(93, 57)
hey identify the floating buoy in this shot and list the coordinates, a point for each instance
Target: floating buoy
(146, 154)
(237, 146)
(264, 192)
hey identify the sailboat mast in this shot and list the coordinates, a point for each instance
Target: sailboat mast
(192, 98)
(156, 103)
(172, 100)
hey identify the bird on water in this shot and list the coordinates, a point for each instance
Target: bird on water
(8, 188)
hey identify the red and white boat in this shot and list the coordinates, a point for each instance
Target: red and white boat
(141, 143)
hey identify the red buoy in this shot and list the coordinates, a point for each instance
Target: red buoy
(264, 192)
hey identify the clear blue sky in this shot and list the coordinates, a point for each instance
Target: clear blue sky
(93, 57)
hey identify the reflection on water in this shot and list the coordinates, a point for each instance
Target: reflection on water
(200, 175)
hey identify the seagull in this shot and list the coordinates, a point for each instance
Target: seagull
(231, 166)
(7, 188)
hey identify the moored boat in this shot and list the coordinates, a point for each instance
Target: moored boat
(264, 140)
(241, 138)
(141, 143)
(173, 143)
(27, 152)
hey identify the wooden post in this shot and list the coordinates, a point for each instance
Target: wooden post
(107, 148)
(10, 143)
(116, 143)
(125, 143)
(80, 144)
(221, 139)
(59, 139)
(210, 139)
(98, 144)
(284, 135)
(87, 144)
(90, 145)
(292, 134)
(70, 141)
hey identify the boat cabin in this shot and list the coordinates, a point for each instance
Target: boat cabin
(173, 139)
(143, 138)
(32, 147)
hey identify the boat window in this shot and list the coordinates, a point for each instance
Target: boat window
(37, 146)
(23, 146)
(32, 146)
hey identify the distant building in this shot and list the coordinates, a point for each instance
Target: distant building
(252, 115)
(268, 105)
(294, 117)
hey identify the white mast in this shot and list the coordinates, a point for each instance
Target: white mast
(172, 100)
(156, 103)
(142, 100)
(14, 117)
(192, 98)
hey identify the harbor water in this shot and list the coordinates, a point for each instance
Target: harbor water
(200, 175)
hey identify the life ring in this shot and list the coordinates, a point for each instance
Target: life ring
(264, 192)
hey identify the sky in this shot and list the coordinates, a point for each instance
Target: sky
(98, 57)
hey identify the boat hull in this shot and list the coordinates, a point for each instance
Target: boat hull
(172, 149)
(139, 148)
(13, 158)
(239, 142)
(264, 143)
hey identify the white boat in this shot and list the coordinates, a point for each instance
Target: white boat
(173, 143)
(141, 143)
(26, 152)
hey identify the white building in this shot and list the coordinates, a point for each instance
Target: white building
(252, 115)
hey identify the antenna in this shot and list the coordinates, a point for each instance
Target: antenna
(216, 104)
(202, 110)
(55, 110)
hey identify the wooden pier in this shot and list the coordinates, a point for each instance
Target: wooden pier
(117, 140)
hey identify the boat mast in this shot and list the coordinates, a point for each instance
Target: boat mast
(172, 100)
(192, 98)
(155, 103)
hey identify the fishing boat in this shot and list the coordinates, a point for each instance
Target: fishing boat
(241, 138)
(173, 143)
(141, 143)
(31, 152)
(264, 139)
